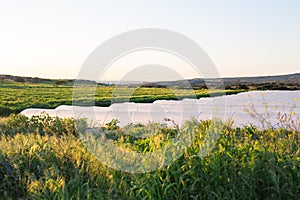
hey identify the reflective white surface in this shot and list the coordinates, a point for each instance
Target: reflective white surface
(235, 107)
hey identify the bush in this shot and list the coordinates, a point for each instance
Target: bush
(4, 112)
(42, 125)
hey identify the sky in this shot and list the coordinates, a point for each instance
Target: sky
(52, 39)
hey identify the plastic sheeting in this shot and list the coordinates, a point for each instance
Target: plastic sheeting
(234, 107)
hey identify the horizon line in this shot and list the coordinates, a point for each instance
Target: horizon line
(225, 77)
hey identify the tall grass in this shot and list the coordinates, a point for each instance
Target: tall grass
(43, 158)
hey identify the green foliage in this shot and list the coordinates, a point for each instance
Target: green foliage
(42, 125)
(43, 158)
(112, 125)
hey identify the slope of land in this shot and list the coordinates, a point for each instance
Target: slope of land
(282, 82)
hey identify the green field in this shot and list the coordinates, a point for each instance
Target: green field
(16, 96)
(42, 158)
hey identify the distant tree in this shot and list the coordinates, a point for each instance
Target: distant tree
(228, 87)
(243, 87)
(20, 79)
(60, 82)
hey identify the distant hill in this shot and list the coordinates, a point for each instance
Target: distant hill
(281, 82)
(24, 79)
(41, 80)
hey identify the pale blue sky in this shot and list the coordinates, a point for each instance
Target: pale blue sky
(243, 38)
